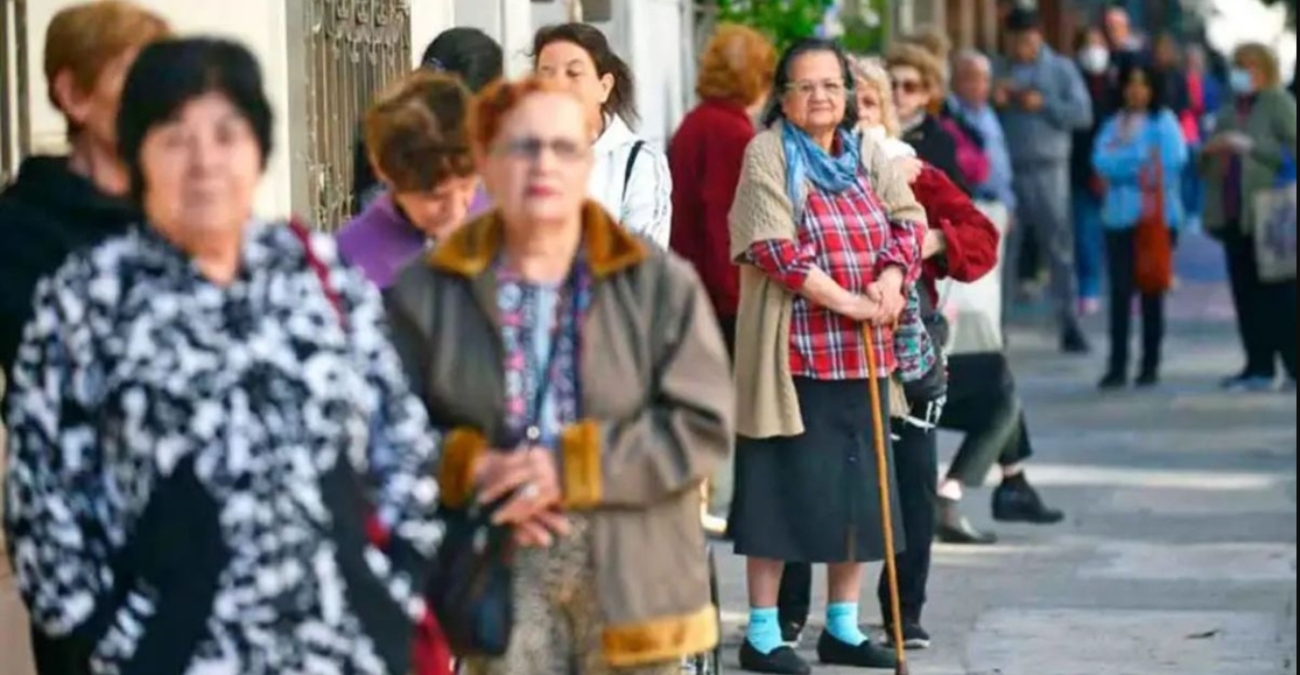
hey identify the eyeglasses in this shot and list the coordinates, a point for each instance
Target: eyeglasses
(805, 89)
(909, 87)
(530, 149)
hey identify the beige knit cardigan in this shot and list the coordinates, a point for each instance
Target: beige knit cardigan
(767, 405)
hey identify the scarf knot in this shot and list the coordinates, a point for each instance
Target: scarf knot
(807, 162)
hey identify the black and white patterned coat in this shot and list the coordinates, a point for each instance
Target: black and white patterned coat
(190, 463)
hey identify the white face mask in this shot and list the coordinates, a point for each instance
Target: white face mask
(876, 133)
(1094, 60)
(1242, 81)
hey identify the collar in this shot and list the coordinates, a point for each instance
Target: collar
(609, 249)
(616, 135)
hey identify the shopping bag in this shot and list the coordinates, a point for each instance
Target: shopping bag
(1275, 233)
(1154, 240)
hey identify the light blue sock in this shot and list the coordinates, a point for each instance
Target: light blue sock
(842, 623)
(764, 632)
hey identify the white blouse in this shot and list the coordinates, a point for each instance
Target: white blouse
(643, 204)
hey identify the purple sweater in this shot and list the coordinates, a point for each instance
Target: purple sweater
(381, 241)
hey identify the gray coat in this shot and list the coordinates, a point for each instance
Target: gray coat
(1047, 136)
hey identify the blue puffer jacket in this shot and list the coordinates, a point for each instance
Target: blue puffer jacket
(1125, 160)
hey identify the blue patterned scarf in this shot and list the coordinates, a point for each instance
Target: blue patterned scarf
(805, 162)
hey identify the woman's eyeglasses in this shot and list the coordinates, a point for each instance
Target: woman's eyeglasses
(530, 149)
(809, 89)
(909, 87)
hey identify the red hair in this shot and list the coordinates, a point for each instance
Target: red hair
(498, 100)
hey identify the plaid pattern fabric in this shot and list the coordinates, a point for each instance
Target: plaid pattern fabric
(850, 238)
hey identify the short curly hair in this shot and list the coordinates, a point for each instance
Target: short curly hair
(737, 66)
(908, 55)
(416, 132)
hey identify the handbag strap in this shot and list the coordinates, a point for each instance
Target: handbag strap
(321, 270)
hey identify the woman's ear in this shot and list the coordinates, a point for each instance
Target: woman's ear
(71, 101)
(607, 85)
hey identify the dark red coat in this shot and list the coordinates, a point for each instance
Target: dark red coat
(706, 157)
(973, 240)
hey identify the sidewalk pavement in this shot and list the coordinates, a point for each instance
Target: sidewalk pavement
(1179, 557)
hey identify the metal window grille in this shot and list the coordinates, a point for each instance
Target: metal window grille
(351, 51)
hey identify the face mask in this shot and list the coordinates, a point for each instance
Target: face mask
(876, 134)
(1095, 60)
(1243, 83)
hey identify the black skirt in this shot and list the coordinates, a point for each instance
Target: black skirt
(815, 498)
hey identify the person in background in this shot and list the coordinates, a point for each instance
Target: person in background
(971, 102)
(579, 375)
(829, 236)
(917, 79)
(466, 53)
(1126, 45)
(1205, 94)
(1137, 148)
(631, 178)
(1093, 57)
(1168, 58)
(1255, 140)
(189, 500)
(59, 205)
(1044, 101)
(420, 152)
(705, 157)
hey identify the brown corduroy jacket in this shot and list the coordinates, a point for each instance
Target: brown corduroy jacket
(657, 400)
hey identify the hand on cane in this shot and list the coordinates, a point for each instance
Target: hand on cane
(887, 292)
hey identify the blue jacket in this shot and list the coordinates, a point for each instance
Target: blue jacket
(1126, 163)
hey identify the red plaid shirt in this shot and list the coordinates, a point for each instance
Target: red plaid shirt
(850, 238)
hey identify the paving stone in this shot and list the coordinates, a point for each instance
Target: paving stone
(1101, 642)
(1240, 563)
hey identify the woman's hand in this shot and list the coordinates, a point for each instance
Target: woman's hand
(888, 293)
(529, 479)
(861, 308)
(936, 244)
(910, 168)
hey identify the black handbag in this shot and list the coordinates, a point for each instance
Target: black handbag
(471, 588)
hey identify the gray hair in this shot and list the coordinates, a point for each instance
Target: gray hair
(975, 57)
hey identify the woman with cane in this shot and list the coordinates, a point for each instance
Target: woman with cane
(828, 236)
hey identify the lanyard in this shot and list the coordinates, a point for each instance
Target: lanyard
(567, 305)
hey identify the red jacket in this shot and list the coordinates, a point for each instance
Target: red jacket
(706, 157)
(973, 240)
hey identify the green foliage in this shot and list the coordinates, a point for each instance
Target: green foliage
(861, 37)
(784, 21)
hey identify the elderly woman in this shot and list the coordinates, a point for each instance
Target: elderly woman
(58, 205)
(961, 245)
(197, 406)
(1255, 138)
(580, 370)
(416, 134)
(630, 178)
(828, 235)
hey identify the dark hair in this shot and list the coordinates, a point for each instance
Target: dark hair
(622, 101)
(468, 53)
(781, 86)
(1154, 77)
(416, 132)
(1024, 20)
(170, 74)
(1081, 36)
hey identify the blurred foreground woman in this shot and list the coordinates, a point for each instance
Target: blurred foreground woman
(204, 407)
(580, 374)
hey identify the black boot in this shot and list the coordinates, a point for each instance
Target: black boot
(1074, 342)
(954, 528)
(832, 652)
(1114, 381)
(1016, 501)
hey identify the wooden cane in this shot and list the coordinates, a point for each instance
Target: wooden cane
(886, 499)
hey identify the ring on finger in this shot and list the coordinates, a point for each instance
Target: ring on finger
(530, 492)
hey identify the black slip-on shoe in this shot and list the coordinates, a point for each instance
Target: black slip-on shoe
(782, 661)
(832, 652)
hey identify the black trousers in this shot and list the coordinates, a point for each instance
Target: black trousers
(916, 458)
(1121, 259)
(1266, 313)
(984, 405)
